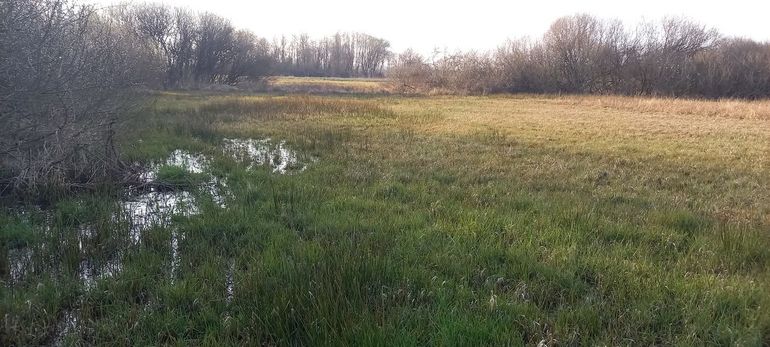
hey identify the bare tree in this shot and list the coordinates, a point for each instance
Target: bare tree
(734, 68)
(521, 66)
(249, 57)
(214, 48)
(680, 41)
(573, 44)
(371, 54)
(182, 49)
(411, 71)
(342, 55)
(467, 72)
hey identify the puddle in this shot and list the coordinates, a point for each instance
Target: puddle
(194, 163)
(191, 162)
(229, 287)
(219, 191)
(264, 153)
(67, 325)
(89, 271)
(141, 209)
(157, 209)
(141, 212)
(20, 263)
(175, 259)
(230, 282)
(84, 234)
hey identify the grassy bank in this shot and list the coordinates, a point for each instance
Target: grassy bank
(440, 220)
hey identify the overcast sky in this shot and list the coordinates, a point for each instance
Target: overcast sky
(478, 24)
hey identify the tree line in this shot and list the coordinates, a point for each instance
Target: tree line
(202, 48)
(205, 48)
(340, 55)
(582, 54)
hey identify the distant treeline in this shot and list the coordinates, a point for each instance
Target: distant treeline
(341, 55)
(583, 54)
(205, 48)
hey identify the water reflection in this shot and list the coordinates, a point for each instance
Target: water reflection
(142, 209)
(263, 152)
(20, 262)
(146, 206)
(191, 162)
(157, 209)
(68, 324)
(175, 258)
(230, 282)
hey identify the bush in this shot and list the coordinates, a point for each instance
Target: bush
(65, 73)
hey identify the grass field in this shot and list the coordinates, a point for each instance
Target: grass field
(329, 85)
(501, 220)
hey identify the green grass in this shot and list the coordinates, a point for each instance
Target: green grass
(425, 221)
(178, 177)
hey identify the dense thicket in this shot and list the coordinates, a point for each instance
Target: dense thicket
(582, 54)
(63, 73)
(195, 49)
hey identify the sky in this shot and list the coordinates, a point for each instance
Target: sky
(480, 25)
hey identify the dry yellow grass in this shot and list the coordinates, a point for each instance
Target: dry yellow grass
(329, 85)
(730, 108)
(706, 143)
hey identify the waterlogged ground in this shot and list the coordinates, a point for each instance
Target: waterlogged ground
(410, 221)
(157, 200)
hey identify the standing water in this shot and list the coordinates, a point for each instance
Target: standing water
(263, 152)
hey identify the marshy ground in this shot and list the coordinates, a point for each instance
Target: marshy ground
(388, 220)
